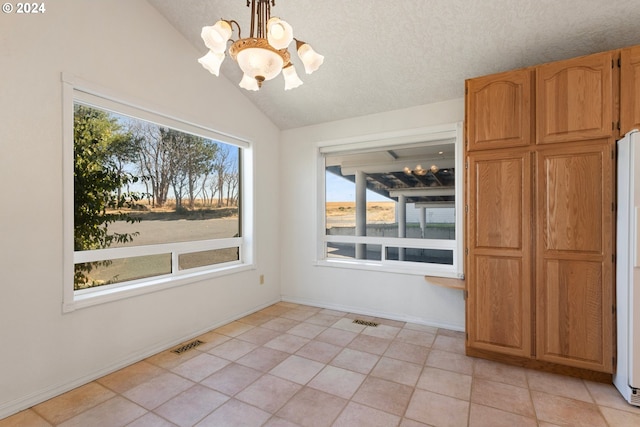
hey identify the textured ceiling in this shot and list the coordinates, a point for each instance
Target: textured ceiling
(383, 55)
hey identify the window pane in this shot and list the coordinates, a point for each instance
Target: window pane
(433, 256)
(348, 251)
(108, 272)
(212, 257)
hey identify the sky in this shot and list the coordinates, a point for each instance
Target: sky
(342, 190)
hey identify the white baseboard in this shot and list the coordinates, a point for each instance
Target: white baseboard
(14, 406)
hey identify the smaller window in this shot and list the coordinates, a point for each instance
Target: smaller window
(394, 204)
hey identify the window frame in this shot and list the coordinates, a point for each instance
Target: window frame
(427, 135)
(76, 90)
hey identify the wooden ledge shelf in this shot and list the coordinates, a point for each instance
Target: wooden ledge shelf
(446, 282)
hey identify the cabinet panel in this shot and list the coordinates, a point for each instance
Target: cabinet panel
(574, 99)
(499, 110)
(629, 89)
(501, 306)
(499, 259)
(571, 207)
(574, 314)
(574, 280)
(497, 190)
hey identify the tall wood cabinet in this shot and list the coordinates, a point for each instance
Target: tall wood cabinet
(540, 175)
(629, 89)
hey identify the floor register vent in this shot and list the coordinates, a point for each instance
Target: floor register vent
(187, 347)
(365, 323)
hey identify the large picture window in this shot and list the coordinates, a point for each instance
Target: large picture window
(156, 202)
(394, 204)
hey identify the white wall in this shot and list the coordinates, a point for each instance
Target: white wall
(398, 296)
(128, 47)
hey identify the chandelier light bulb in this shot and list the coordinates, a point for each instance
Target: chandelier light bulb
(212, 61)
(279, 33)
(216, 36)
(311, 60)
(434, 169)
(249, 83)
(291, 79)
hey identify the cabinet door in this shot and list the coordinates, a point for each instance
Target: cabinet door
(574, 99)
(499, 252)
(629, 89)
(574, 271)
(500, 110)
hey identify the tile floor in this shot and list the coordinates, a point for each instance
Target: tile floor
(294, 365)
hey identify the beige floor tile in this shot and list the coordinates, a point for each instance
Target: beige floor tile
(168, 359)
(385, 395)
(235, 413)
(74, 402)
(382, 331)
(306, 330)
(287, 343)
(450, 361)
(346, 324)
(232, 379)
(411, 423)
(210, 340)
(151, 420)
(452, 334)
(397, 370)
(297, 369)
(390, 322)
(564, 411)
(299, 314)
(280, 324)
(484, 416)
(190, 406)
(445, 343)
(115, 412)
(370, 344)
(449, 383)
(256, 319)
(312, 408)
(319, 351)
(280, 422)
(269, 393)
(337, 337)
(337, 381)
(356, 414)
(233, 329)
(437, 410)
(417, 337)
(407, 352)
(559, 385)
(263, 359)
(275, 310)
(25, 418)
(233, 349)
(259, 335)
(131, 376)
(423, 328)
(499, 372)
(200, 367)
(330, 312)
(608, 395)
(323, 319)
(618, 418)
(158, 390)
(354, 360)
(502, 396)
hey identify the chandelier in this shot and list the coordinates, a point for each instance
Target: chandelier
(263, 54)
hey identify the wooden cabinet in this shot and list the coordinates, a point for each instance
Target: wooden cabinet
(540, 219)
(575, 99)
(574, 289)
(502, 110)
(629, 89)
(499, 230)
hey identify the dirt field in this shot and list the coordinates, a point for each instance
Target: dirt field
(343, 214)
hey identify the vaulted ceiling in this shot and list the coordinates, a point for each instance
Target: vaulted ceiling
(383, 55)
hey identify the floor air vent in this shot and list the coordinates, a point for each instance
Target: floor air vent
(187, 347)
(365, 323)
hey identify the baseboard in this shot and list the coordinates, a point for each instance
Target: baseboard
(374, 313)
(12, 407)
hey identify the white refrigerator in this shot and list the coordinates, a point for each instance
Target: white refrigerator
(627, 375)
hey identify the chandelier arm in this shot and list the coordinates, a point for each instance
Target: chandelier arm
(253, 17)
(237, 26)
